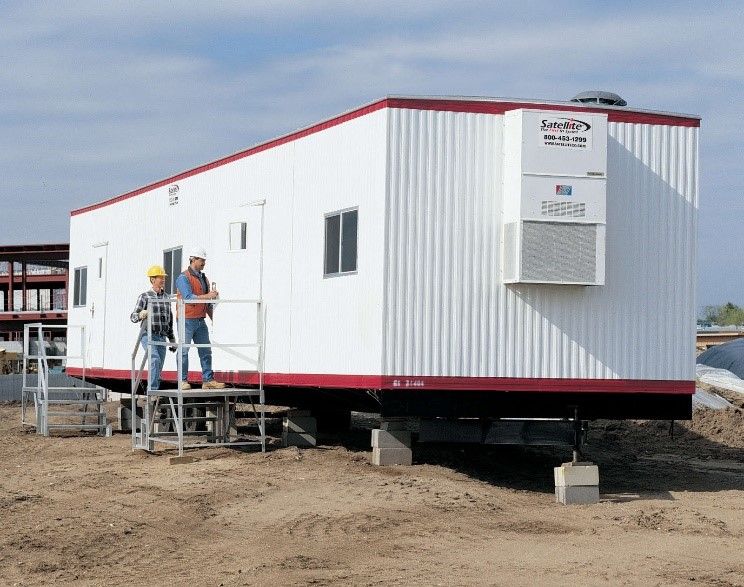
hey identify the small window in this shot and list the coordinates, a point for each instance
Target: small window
(81, 286)
(341, 242)
(238, 236)
(172, 265)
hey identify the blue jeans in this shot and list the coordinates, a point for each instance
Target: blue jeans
(158, 358)
(196, 330)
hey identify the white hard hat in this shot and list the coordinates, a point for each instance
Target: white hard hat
(198, 252)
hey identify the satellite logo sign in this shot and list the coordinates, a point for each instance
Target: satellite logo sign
(571, 133)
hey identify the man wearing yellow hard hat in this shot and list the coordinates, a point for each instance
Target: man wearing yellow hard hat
(156, 303)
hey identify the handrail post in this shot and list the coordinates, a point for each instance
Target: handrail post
(41, 380)
(145, 422)
(83, 351)
(133, 401)
(23, 377)
(181, 375)
(181, 326)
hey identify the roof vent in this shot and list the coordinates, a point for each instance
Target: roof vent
(599, 97)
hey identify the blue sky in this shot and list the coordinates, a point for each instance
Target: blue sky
(98, 98)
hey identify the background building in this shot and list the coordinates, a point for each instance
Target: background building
(33, 286)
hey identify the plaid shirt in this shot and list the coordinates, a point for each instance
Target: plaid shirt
(159, 307)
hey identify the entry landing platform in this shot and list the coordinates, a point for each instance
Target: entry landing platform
(202, 393)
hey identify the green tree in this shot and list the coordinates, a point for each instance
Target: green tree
(710, 314)
(726, 315)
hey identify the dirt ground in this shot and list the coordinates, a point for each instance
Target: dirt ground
(89, 511)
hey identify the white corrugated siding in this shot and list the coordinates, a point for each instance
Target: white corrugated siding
(446, 311)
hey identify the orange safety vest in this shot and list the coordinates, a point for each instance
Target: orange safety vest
(194, 310)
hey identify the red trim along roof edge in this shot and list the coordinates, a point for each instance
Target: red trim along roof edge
(470, 105)
(414, 383)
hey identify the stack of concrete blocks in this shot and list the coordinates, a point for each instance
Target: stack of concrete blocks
(391, 445)
(125, 419)
(576, 483)
(211, 414)
(299, 429)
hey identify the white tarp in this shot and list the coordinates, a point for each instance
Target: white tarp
(708, 399)
(719, 378)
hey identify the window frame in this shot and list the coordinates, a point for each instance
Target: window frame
(170, 281)
(340, 215)
(243, 236)
(78, 274)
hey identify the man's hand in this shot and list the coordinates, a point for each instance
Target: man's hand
(172, 348)
(142, 314)
(211, 295)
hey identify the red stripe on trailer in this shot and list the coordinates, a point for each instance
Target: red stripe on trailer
(543, 385)
(468, 106)
(412, 383)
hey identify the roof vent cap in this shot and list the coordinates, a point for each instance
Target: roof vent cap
(599, 97)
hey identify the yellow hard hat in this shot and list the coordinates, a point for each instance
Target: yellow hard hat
(156, 271)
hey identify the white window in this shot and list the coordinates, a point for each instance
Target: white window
(81, 286)
(172, 266)
(341, 242)
(238, 236)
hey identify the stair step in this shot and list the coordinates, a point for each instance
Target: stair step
(188, 419)
(76, 414)
(198, 392)
(77, 426)
(190, 404)
(72, 389)
(59, 402)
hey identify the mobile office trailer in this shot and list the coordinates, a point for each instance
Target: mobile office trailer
(430, 257)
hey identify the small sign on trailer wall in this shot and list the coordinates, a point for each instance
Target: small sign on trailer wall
(173, 194)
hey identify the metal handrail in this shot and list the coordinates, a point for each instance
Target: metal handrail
(175, 403)
(41, 390)
(227, 347)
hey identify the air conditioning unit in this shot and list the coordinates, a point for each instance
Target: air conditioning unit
(555, 197)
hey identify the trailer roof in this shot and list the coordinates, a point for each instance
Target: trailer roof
(471, 104)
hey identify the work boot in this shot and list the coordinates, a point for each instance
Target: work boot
(213, 385)
(185, 385)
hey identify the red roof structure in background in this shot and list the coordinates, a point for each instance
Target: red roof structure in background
(33, 286)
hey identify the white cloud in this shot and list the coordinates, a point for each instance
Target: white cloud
(101, 97)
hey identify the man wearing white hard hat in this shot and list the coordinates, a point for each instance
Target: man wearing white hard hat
(192, 284)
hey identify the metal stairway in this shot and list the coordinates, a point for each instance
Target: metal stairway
(67, 407)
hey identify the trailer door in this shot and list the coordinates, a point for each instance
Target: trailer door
(238, 273)
(98, 285)
(246, 242)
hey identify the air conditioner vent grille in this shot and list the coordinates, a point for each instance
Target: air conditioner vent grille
(554, 252)
(563, 209)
